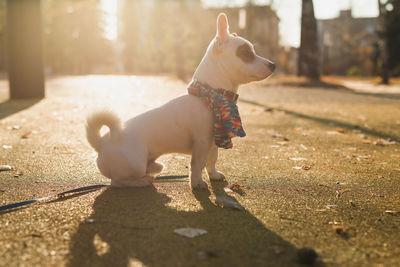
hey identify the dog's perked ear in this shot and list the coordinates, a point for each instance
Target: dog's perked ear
(222, 28)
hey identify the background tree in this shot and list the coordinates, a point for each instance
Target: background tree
(382, 43)
(389, 39)
(308, 61)
(74, 37)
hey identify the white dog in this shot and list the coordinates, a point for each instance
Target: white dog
(127, 154)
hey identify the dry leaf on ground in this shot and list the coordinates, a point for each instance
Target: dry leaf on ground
(298, 159)
(190, 232)
(392, 212)
(228, 202)
(340, 229)
(306, 167)
(235, 186)
(5, 168)
(25, 135)
(384, 142)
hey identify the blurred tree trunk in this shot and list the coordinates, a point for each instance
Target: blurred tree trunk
(382, 43)
(308, 61)
(25, 49)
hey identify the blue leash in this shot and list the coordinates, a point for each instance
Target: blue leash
(77, 190)
(60, 195)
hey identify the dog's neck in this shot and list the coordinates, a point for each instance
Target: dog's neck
(212, 73)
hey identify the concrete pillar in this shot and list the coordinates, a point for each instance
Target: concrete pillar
(25, 49)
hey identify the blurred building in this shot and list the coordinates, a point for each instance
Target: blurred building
(347, 45)
(287, 60)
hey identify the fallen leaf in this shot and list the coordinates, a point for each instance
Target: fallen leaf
(5, 168)
(36, 235)
(25, 135)
(298, 159)
(325, 185)
(267, 109)
(392, 212)
(384, 142)
(228, 190)
(235, 186)
(331, 206)
(332, 133)
(190, 232)
(320, 210)
(306, 167)
(282, 143)
(89, 221)
(340, 229)
(228, 202)
(277, 135)
(303, 147)
(364, 157)
(339, 130)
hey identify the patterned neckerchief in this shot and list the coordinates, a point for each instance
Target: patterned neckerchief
(227, 123)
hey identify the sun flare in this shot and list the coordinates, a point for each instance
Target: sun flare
(110, 17)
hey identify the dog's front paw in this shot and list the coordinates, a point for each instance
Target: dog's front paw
(217, 176)
(198, 184)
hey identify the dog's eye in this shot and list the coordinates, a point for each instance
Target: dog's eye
(245, 53)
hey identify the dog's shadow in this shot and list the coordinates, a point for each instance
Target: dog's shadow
(134, 225)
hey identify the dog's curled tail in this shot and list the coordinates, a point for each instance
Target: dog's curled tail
(97, 120)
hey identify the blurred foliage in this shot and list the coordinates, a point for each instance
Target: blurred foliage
(355, 71)
(171, 36)
(159, 36)
(74, 37)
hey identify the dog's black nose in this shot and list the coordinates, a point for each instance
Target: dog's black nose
(272, 66)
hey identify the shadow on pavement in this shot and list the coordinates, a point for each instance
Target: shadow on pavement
(335, 86)
(337, 123)
(379, 95)
(134, 225)
(10, 107)
(316, 84)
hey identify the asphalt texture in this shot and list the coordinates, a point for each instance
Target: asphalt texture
(317, 181)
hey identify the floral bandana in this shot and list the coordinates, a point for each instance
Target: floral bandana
(227, 123)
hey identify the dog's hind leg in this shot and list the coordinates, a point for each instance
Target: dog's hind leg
(154, 168)
(213, 174)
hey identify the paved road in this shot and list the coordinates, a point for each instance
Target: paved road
(319, 168)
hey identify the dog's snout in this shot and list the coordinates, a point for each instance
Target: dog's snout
(270, 65)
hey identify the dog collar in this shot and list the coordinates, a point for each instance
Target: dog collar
(228, 94)
(227, 123)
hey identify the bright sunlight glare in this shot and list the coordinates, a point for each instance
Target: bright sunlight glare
(110, 17)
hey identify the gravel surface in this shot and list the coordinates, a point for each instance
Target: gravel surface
(319, 169)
